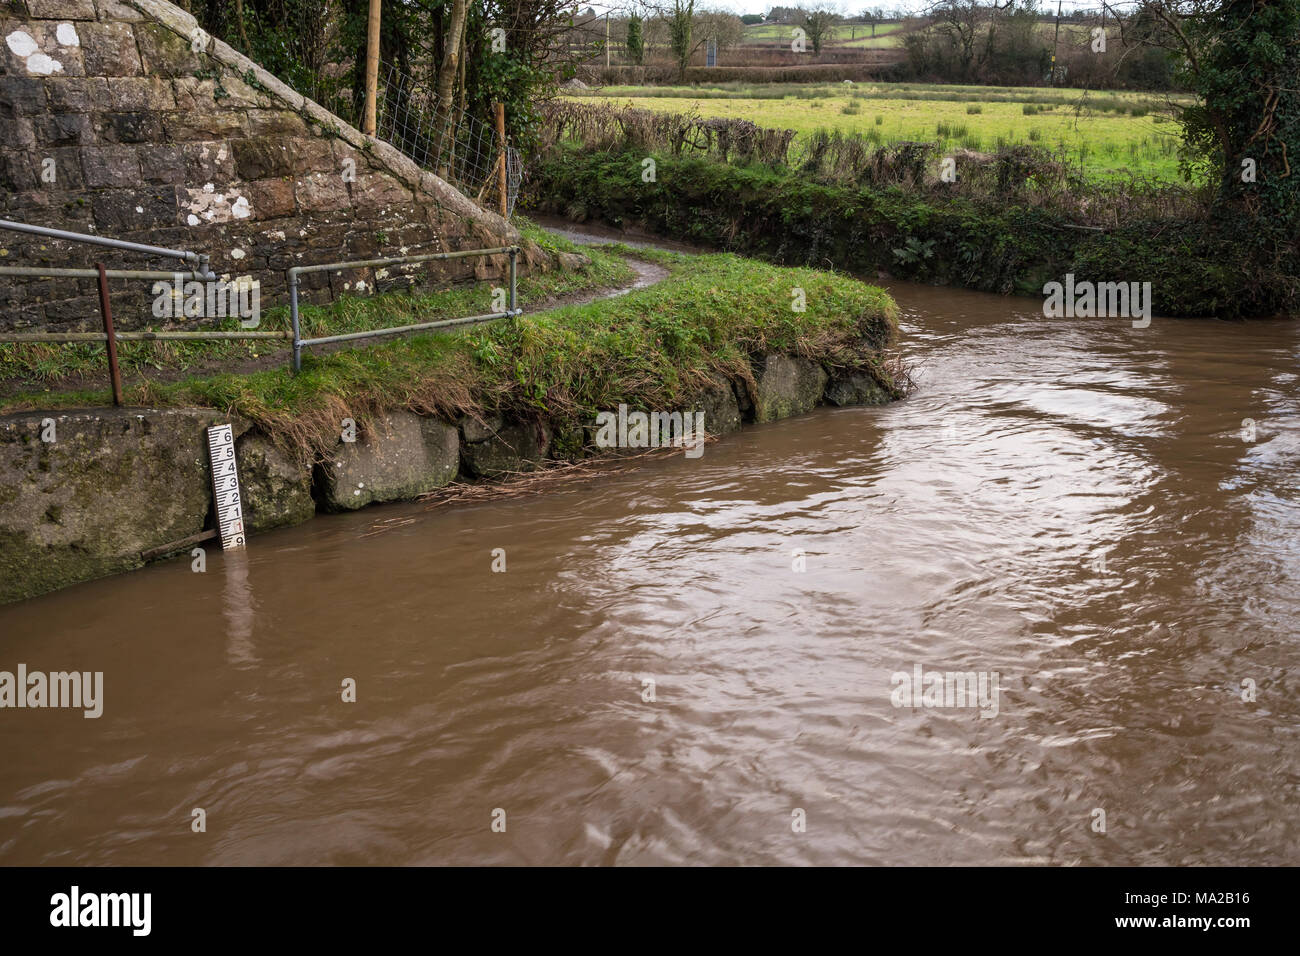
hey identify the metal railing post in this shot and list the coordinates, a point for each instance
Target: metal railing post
(294, 278)
(514, 295)
(106, 311)
(293, 318)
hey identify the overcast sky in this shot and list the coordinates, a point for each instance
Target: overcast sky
(762, 6)
(842, 6)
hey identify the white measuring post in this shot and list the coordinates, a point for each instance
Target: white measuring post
(225, 486)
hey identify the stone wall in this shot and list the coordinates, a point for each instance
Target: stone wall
(118, 118)
(85, 494)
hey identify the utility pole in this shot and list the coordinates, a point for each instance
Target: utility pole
(372, 67)
(1056, 40)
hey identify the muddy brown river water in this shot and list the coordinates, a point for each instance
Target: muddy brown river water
(1077, 507)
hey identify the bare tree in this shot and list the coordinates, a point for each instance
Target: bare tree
(963, 23)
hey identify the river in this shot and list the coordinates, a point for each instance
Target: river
(1076, 509)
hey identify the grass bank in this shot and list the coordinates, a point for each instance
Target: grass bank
(654, 348)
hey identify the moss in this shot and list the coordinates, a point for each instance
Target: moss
(28, 568)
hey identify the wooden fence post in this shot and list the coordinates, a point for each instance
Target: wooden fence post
(372, 68)
(501, 167)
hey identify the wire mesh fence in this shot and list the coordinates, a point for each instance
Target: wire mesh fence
(514, 176)
(463, 150)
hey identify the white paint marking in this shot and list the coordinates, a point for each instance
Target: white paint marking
(21, 43)
(42, 65)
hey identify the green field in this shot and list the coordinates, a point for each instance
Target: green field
(1111, 135)
(856, 35)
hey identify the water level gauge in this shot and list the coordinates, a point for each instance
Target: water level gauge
(225, 486)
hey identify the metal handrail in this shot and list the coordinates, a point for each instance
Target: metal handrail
(141, 336)
(101, 275)
(200, 262)
(202, 271)
(54, 273)
(296, 271)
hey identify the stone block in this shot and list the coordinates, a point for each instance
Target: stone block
(276, 487)
(280, 123)
(119, 211)
(62, 9)
(406, 456)
(117, 10)
(165, 53)
(129, 94)
(113, 483)
(511, 449)
(185, 127)
(787, 386)
(322, 192)
(263, 156)
(721, 409)
(855, 388)
(64, 129)
(109, 50)
(271, 198)
(129, 127)
(111, 166)
(24, 95)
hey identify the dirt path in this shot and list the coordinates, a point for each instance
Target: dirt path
(594, 234)
(647, 274)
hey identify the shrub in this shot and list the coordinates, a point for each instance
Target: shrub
(1003, 227)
